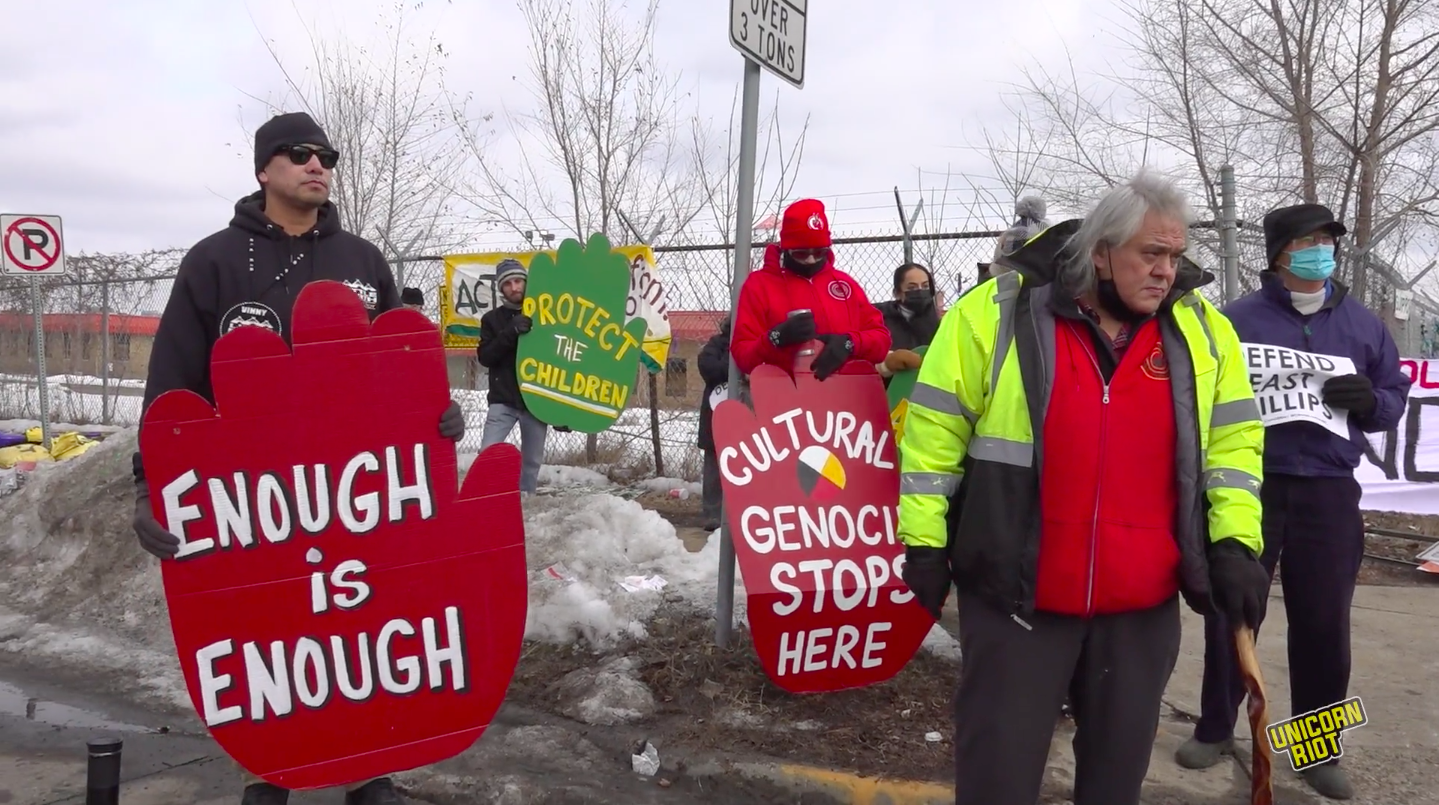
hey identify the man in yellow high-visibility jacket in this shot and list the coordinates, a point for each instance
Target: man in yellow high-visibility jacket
(1082, 447)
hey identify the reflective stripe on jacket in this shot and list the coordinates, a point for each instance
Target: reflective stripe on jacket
(970, 466)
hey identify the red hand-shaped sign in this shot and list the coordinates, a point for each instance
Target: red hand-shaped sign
(811, 492)
(342, 609)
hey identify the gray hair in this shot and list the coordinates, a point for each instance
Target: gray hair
(1118, 217)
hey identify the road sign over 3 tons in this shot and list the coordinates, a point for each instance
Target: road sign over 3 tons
(771, 32)
(32, 245)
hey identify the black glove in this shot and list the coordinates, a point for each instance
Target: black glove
(521, 324)
(1239, 582)
(926, 571)
(837, 349)
(564, 429)
(793, 330)
(153, 536)
(452, 422)
(1353, 393)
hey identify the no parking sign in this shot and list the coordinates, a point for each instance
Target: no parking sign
(31, 245)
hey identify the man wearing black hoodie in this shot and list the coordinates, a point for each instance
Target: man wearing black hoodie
(282, 237)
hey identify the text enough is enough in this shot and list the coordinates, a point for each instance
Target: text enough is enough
(306, 499)
(313, 672)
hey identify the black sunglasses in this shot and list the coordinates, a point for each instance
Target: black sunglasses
(300, 155)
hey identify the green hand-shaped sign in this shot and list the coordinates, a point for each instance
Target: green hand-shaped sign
(577, 364)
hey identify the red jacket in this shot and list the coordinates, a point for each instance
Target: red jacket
(838, 303)
(1108, 489)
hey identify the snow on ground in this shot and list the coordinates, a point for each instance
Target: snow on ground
(668, 485)
(562, 476)
(629, 442)
(584, 550)
(76, 588)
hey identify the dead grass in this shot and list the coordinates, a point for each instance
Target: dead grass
(1425, 529)
(722, 700)
(617, 460)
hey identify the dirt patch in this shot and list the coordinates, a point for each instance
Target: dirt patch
(1390, 557)
(681, 512)
(1417, 524)
(713, 700)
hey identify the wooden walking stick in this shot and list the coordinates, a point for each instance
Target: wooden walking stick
(1261, 784)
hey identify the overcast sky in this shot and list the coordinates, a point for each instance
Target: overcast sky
(130, 118)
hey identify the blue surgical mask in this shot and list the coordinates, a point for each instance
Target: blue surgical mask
(1313, 263)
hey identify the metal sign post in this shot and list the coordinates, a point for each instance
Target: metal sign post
(775, 41)
(32, 246)
(42, 377)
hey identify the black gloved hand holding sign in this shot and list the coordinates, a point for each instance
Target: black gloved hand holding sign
(1239, 582)
(452, 422)
(1353, 393)
(521, 324)
(796, 329)
(926, 571)
(837, 349)
(153, 536)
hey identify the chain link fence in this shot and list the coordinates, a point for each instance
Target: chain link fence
(98, 336)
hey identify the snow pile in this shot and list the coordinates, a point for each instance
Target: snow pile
(585, 550)
(76, 586)
(74, 583)
(665, 486)
(560, 476)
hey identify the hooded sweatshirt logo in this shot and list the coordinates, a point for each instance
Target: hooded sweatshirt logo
(365, 291)
(251, 314)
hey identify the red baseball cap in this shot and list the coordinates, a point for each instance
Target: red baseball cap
(805, 226)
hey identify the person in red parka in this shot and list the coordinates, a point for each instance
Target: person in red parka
(799, 275)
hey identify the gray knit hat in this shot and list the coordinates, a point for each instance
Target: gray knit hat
(507, 268)
(1029, 214)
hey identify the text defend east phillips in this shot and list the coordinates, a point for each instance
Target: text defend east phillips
(1288, 385)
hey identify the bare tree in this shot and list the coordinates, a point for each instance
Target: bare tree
(613, 144)
(1330, 101)
(603, 142)
(715, 155)
(386, 108)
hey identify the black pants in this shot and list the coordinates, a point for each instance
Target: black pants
(711, 494)
(1013, 680)
(1314, 529)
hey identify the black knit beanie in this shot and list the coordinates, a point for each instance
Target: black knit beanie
(279, 131)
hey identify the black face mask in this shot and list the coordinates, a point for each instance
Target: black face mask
(805, 270)
(1108, 297)
(919, 299)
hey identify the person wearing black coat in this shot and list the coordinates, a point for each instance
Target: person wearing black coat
(500, 331)
(911, 317)
(714, 370)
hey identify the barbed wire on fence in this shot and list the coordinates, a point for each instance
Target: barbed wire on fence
(98, 335)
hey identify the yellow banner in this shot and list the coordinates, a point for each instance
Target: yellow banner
(469, 292)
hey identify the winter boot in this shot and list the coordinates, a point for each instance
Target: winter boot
(1196, 754)
(1329, 780)
(379, 791)
(264, 794)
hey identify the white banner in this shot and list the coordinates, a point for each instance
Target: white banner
(1400, 472)
(1288, 386)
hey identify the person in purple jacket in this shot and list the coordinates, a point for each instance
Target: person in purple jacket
(1310, 497)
